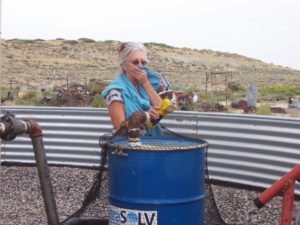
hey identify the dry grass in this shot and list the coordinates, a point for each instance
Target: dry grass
(61, 60)
(35, 61)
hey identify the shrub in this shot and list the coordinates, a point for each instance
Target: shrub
(279, 92)
(22, 41)
(264, 109)
(211, 99)
(98, 102)
(295, 115)
(86, 40)
(176, 87)
(5, 93)
(109, 41)
(70, 42)
(31, 94)
(31, 98)
(191, 88)
(158, 44)
(9, 56)
(234, 86)
(94, 88)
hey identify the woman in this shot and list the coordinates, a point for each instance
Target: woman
(134, 89)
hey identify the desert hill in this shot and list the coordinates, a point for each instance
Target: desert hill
(44, 63)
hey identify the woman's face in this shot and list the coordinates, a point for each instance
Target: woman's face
(133, 60)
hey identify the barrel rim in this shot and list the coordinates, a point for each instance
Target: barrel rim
(199, 143)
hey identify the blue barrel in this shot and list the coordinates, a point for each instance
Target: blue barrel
(159, 183)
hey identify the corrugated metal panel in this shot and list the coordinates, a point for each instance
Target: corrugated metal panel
(70, 135)
(245, 149)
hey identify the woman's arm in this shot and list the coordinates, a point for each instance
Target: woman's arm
(155, 99)
(117, 113)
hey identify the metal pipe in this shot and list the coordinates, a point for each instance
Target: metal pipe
(36, 134)
(288, 203)
(46, 185)
(277, 187)
(2, 128)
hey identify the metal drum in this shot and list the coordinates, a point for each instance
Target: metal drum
(158, 183)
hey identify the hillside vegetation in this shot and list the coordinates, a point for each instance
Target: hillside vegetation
(45, 63)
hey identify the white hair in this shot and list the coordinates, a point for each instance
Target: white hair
(129, 47)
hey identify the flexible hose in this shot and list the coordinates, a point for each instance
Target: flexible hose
(87, 221)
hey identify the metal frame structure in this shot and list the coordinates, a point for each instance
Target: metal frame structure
(213, 78)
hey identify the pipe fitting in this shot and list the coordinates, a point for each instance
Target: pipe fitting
(34, 130)
(11, 127)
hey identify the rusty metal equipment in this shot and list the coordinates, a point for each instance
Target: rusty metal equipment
(74, 95)
(286, 185)
(213, 79)
(239, 104)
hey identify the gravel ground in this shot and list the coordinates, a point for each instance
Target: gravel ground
(21, 202)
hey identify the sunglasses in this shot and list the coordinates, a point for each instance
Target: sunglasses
(139, 61)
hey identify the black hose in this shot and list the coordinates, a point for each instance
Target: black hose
(92, 193)
(217, 213)
(87, 221)
(45, 181)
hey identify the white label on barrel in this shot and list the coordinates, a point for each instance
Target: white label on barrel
(120, 216)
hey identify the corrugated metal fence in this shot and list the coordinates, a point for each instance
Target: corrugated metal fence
(243, 149)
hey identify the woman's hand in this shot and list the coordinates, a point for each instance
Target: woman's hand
(139, 74)
(154, 113)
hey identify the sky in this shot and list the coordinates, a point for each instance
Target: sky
(268, 30)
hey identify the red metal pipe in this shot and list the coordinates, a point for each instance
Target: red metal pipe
(288, 203)
(286, 185)
(277, 187)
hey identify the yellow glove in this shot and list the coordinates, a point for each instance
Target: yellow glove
(165, 107)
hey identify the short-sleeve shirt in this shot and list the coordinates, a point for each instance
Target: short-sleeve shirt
(113, 95)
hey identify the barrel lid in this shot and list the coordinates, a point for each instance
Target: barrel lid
(163, 143)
